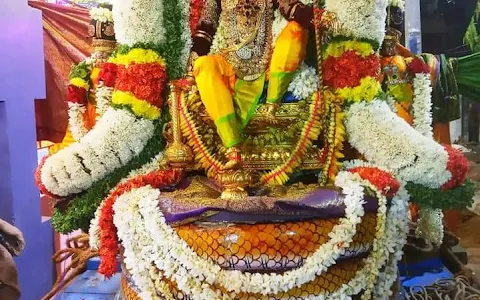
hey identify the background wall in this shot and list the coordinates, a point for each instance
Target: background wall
(21, 81)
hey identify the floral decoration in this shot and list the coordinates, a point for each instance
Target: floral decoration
(140, 81)
(117, 137)
(140, 225)
(458, 167)
(82, 208)
(351, 71)
(305, 83)
(416, 65)
(349, 68)
(108, 236)
(360, 19)
(139, 21)
(195, 13)
(388, 141)
(108, 74)
(382, 180)
(101, 14)
(422, 104)
(77, 97)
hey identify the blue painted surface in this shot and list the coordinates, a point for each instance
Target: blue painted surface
(91, 285)
(94, 263)
(423, 273)
(22, 79)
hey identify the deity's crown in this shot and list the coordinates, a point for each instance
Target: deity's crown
(101, 28)
(392, 34)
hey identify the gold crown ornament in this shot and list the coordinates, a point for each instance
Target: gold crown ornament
(101, 28)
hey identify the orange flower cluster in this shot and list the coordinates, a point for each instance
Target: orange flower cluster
(108, 232)
(349, 68)
(457, 165)
(382, 180)
(144, 81)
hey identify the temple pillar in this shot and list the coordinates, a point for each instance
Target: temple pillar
(413, 26)
(22, 79)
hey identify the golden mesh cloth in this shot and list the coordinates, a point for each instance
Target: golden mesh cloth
(269, 246)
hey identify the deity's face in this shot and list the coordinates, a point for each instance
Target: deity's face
(389, 47)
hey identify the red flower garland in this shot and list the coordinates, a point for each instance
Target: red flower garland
(196, 7)
(76, 94)
(108, 74)
(38, 180)
(144, 81)
(457, 165)
(417, 66)
(108, 231)
(348, 69)
(382, 180)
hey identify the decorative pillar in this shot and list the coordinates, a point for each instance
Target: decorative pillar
(22, 79)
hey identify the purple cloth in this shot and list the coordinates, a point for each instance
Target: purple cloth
(321, 204)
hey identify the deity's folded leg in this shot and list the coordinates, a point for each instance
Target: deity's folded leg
(288, 54)
(215, 79)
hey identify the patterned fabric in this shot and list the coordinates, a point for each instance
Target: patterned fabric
(65, 30)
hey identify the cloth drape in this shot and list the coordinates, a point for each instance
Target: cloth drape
(66, 42)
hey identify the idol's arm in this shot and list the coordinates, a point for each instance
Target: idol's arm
(294, 10)
(206, 28)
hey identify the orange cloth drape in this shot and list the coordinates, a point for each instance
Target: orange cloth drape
(66, 42)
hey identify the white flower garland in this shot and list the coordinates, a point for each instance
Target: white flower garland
(391, 243)
(94, 229)
(186, 32)
(116, 138)
(103, 97)
(360, 19)
(179, 263)
(422, 105)
(136, 241)
(430, 224)
(388, 141)
(101, 14)
(180, 256)
(305, 83)
(76, 121)
(139, 21)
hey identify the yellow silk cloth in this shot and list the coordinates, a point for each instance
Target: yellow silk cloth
(67, 140)
(66, 42)
(231, 101)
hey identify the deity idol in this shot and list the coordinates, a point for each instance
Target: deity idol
(232, 81)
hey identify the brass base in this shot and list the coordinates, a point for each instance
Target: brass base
(235, 183)
(179, 155)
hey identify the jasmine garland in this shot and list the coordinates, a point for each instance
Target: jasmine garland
(388, 141)
(116, 138)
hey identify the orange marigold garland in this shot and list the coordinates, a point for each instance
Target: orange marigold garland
(144, 81)
(382, 180)
(348, 69)
(108, 233)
